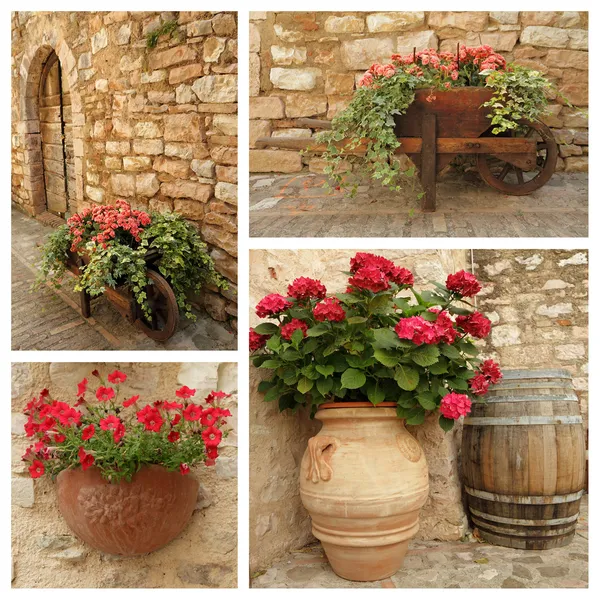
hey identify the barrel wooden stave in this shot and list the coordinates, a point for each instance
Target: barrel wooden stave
(530, 475)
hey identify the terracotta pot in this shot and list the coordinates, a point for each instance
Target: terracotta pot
(363, 480)
(127, 518)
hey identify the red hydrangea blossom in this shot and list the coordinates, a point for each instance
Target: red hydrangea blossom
(288, 329)
(366, 260)
(370, 278)
(419, 331)
(463, 283)
(488, 373)
(304, 288)
(257, 341)
(455, 405)
(475, 324)
(329, 309)
(479, 384)
(272, 305)
(491, 370)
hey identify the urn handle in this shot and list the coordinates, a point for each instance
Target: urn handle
(320, 451)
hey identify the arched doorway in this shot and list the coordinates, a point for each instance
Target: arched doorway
(54, 101)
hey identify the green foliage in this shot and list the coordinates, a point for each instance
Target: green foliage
(166, 28)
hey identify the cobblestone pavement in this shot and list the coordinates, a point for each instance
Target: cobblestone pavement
(49, 319)
(468, 564)
(298, 206)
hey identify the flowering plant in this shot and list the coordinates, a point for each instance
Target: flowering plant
(380, 341)
(388, 90)
(119, 436)
(116, 240)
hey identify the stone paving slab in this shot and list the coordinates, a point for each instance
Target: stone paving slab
(430, 564)
(49, 319)
(298, 206)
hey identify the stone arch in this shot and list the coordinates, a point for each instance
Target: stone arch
(30, 74)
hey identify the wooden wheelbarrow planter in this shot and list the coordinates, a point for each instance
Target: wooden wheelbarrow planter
(164, 318)
(454, 122)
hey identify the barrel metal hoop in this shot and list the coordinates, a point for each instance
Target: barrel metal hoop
(537, 398)
(512, 374)
(526, 522)
(523, 533)
(537, 500)
(525, 420)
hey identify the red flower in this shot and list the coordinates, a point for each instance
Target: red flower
(105, 393)
(329, 309)
(70, 417)
(401, 276)
(257, 341)
(110, 422)
(95, 373)
(176, 420)
(86, 460)
(172, 405)
(82, 387)
(44, 393)
(151, 418)
(117, 377)
(184, 468)
(475, 324)
(211, 456)
(215, 396)
(185, 392)
(370, 278)
(119, 433)
(463, 283)
(288, 329)
(36, 469)
(173, 436)
(417, 330)
(366, 259)
(88, 432)
(130, 401)
(491, 370)
(212, 437)
(272, 305)
(192, 412)
(59, 438)
(304, 288)
(479, 384)
(443, 328)
(210, 416)
(455, 405)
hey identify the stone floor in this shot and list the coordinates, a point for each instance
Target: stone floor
(49, 319)
(298, 206)
(469, 564)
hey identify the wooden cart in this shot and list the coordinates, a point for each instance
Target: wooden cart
(440, 125)
(164, 318)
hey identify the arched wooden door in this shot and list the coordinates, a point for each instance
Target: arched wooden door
(57, 138)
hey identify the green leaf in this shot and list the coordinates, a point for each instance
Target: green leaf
(385, 357)
(375, 394)
(324, 386)
(425, 355)
(265, 386)
(385, 338)
(353, 379)
(356, 320)
(417, 416)
(458, 384)
(440, 367)
(406, 377)
(449, 351)
(297, 337)
(266, 328)
(271, 394)
(325, 370)
(427, 401)
(468, 348)
(271, 364)
(446, 424)
(317, 330)
(274, 343)
(305, 385)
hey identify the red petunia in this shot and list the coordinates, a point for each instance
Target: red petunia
(288, 329)
(37, 469)
(173, 436)
(172, 405)
(59, 438)
(95, 373)
(185, 392)
(212, 437)
(257, 341)
(88, 432)
(117, 377)
(119, 433)
(110, 422)
(151, 418)
(192, 412)
(210, 399)
(272, 305)
(211, 456)
(82, 387)
(463, 283)
(184, 469)
(105, 394)
(130, 401)
(475, 324)
(304, 288)
(86, 460)
(210, 416)
(329, 309)
(176, 420)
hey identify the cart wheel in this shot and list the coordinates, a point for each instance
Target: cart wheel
(164, 316)
(512, 180)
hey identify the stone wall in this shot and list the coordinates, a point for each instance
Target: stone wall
(306, 65)
(538, 302)
(45, 552)
(278, 522)
(155, 126)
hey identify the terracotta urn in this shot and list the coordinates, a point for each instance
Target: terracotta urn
(127, 518)
(363, 480)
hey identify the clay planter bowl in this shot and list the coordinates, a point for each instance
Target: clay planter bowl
(363, 480)
(127, 519)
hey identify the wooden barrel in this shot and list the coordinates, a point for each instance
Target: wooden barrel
(523, 460)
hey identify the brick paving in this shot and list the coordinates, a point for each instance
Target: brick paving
(298, 206)
(469, 564)
(49, 319)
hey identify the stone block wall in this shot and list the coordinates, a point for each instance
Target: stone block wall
(154, 126)
(306, 65)
(45, 552)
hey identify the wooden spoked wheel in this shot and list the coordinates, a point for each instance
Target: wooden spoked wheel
(164, 315)
(509, 178)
